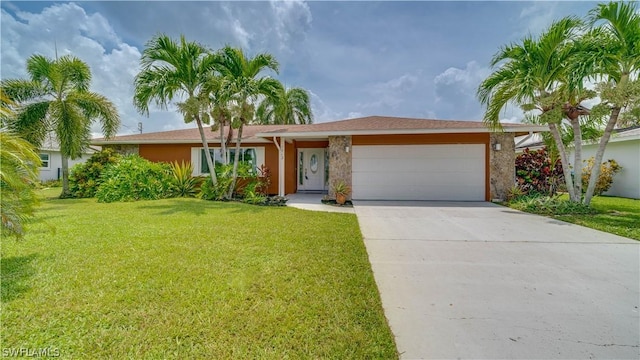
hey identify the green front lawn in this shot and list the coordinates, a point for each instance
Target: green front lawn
(185, 278)
(620, 216)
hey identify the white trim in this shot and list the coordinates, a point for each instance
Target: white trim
(143, 142)
(311, 134)
(281, 164)
(48, 167)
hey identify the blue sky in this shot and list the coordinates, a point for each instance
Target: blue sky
(420, 59)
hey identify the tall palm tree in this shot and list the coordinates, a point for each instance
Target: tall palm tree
(290, 106)
(533, 75)
(19, 164)
(614, 58)
(243, 83)
(57, 99)
(176, 69)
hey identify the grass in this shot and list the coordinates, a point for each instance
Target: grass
(185, 278)
(614, 215)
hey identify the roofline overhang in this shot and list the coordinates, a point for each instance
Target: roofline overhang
(312, 134)
(149, 142)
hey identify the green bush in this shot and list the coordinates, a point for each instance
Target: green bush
(184, 183)
(208, 191)
(546, 205)
(608, 170)
(134, 178)
(85, 179)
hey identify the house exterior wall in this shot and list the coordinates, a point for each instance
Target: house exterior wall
(124, 149)
(54, 170)
(167, 152)
(502, 167)
(626, 153)
(182, 152)
(339, 162)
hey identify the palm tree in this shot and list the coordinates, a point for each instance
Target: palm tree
(19, 164)
(290, 106)
(173, 69)
(57, 99)
(533, 75)
(615, 59)
(244, 86)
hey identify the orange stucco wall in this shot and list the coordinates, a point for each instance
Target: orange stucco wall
(166, 152)
(425, 139)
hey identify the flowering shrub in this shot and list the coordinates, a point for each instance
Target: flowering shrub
(607, 170)
(535, 172)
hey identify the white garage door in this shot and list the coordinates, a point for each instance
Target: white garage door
(419, 172)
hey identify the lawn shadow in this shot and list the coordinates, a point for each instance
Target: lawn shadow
(198, 208)
(15, 273)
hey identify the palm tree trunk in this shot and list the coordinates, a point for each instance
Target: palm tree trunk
(577, 158)
(66, 193)
(223, 143)
(207, 154)
(236, 159)
(604, 140)
(565, 161)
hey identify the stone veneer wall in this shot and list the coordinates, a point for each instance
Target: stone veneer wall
(124, 149)
(502, 168)
(339, 162)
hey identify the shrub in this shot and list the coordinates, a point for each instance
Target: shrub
(547, 205)
(85, 179)
(184, 183)
(51, 183)
(535, 172)
(134, 178)
(208, 191)
(608, 170)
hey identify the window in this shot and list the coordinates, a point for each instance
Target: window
(44, 159)
(247, 155)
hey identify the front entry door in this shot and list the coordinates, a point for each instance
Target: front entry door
(311, 169)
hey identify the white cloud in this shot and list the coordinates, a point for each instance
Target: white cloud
(292, 19)
(89, 37)
(390, 93)
(455, 90)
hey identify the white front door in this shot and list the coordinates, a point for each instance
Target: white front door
(311, 169)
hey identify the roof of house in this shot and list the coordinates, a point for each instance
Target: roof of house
(358, 126)
(624, 134)
(51, 143)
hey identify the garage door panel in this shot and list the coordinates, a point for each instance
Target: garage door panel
(419, 172)
(415, 165)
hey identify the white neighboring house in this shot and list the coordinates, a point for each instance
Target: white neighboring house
(624, 148)
(52, 159)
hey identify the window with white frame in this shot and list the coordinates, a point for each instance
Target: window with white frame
(247, 155)
(44, 160)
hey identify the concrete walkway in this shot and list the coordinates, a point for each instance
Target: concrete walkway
(481, 281)
(312, 202)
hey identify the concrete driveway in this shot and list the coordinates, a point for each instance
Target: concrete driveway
(481, 281)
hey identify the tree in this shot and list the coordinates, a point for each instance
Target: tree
(173, 69)
(614, 58)
(19, 164)
(244, 86)
(533, 74)
(57, 99)
(289, 106)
